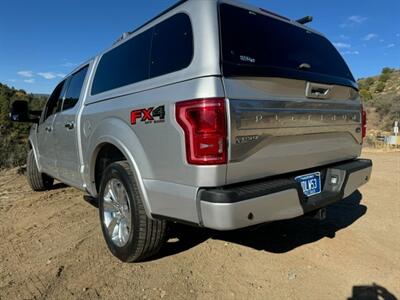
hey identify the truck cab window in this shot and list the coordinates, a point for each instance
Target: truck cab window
(74, 88)
(54, 102)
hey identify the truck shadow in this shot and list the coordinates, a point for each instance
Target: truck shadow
(284, 236)
(276, 237)
(58, 185)
(371, 292)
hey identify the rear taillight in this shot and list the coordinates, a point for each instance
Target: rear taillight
(204, 124)
(363, 122)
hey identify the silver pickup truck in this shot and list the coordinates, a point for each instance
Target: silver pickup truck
(214, 113)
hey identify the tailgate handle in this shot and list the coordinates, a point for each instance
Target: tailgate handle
(318, 91)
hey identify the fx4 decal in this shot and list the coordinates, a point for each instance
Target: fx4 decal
(148, 115)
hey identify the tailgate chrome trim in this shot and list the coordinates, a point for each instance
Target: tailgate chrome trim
(255, 122)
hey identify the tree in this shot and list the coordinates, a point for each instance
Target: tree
(387, 70)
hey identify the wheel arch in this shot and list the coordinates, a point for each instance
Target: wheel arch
(116, 140)
(33, 148)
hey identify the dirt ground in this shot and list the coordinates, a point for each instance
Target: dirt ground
(51, 247)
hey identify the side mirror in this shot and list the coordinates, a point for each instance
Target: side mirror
(20, 113)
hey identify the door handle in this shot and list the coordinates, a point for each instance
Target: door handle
(48, 129)
(69, 125)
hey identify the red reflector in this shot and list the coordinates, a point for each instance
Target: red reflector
(364, 122)
(204, 124)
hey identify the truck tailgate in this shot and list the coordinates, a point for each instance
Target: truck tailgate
(277, 127)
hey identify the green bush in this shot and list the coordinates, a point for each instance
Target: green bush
(380, 87)
(369, 81)
(384, 77)
(387, 70)
(365, 83)
(365, 95)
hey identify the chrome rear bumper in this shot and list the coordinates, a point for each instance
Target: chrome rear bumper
(247, 204)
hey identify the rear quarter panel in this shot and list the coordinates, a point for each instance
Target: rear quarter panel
(157, 147)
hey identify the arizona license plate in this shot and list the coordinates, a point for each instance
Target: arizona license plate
(310, 183)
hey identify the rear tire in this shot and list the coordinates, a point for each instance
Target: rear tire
(37, 181)
(129, 233)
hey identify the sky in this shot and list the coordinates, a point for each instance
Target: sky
(41, 41)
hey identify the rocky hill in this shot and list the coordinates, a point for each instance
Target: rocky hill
(381, 95)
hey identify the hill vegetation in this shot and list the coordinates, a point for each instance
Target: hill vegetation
(381, 95)
(13, 136)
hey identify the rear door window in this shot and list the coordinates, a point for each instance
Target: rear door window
(74, 88)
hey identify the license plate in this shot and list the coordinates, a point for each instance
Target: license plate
(310, 183)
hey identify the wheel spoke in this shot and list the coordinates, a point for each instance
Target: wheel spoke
(111, 226)
(111, 190)
(110, 206)
(123, 231)
(120, 233)
(115, 190)
(126, 211)
(117, 212)
(120, 194)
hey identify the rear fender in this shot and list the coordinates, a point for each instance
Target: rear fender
(33, 145)
(117, 133)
